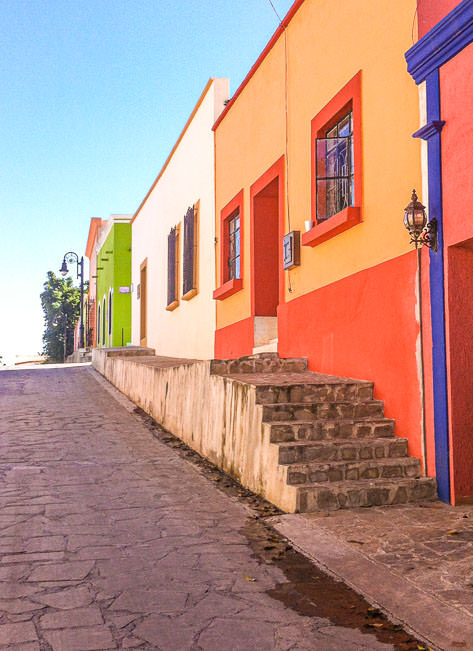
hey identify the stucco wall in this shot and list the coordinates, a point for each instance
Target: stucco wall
(216, 416)
(251, 136)
(187, 179)
(114, 271)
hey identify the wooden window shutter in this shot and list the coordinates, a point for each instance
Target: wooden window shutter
(189, 258)
(172, 266)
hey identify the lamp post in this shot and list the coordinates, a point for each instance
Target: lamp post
(423, 232)
(69, 257)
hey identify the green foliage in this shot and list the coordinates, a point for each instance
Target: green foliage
(60, 301)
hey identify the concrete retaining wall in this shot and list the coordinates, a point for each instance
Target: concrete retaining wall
(216, 416)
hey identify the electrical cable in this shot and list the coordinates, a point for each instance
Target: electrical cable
(286, 124)
(413, 23)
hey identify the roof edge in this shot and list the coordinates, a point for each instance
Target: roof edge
(269, 46)
(176, 145)
(95, 222)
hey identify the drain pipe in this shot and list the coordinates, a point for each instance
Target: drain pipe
(422, 375)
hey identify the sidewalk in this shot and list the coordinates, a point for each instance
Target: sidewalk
(415, 562)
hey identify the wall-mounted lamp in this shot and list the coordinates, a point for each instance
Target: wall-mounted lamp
(422, 231)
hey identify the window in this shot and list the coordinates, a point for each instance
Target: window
(335, 170)
(189, 273)
(173, 258)
(233, 238)
(98, 325)
(231, 253)
(104, 318)
(110, 312)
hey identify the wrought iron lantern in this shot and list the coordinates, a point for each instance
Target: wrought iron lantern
(422, 231)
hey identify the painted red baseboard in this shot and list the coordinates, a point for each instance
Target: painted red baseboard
(235, 340)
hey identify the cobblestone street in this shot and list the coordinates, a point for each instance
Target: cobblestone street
(109, 539)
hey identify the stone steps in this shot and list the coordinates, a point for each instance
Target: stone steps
(334, 471)
(328, 430)
(290, 411)
(332, 444)
(339, 495)
(302, 393)
(262, 363)
(341, 450)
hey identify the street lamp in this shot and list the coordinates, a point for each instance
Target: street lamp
(69, 257)
(422, 231)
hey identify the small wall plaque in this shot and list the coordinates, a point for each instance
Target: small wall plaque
(138, 291)
(292, 249)
(123, 290)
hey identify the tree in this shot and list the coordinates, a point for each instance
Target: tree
(60, 301)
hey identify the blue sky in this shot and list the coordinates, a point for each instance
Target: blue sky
(94, 95)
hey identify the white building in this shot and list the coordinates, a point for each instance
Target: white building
(173, 241)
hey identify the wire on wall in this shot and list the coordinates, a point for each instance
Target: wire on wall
(413, 24)
(286, 124)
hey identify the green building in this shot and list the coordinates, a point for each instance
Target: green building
(114, 284)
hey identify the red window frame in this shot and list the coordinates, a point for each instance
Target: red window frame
(347, 99)
(228, 287)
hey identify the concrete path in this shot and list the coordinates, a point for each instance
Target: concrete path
(415, 561)
(109, 539)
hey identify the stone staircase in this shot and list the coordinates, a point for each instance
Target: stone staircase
(335, 448)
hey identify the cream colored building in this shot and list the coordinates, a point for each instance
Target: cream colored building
(173, 242)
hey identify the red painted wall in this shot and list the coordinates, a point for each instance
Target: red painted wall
(266, 260)
(364, 327)
(456, 84)
(456, 91)
(430, 12)
(235, 340)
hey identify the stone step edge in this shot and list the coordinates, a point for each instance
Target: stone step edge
(343, 421)
(276, 426)
(284, 384)
(357, 442)
(355, 494)
(326, 465)
(359, 487)
(371, 401)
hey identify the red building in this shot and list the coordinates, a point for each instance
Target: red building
(441, 63)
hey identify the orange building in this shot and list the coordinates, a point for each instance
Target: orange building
(315, 147)
(95, 229)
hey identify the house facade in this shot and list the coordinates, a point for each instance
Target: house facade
(441, 64)
(95, 228)
(314, 165)
(173, 258)
(113, 289)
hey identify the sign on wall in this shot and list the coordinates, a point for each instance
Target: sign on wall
(292, 249)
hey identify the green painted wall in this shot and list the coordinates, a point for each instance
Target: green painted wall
(114, 271)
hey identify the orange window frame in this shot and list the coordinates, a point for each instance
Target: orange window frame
(228, 286)
(347, 99)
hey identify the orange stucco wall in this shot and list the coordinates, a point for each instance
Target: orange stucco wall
(351, 307)
(251, 137)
